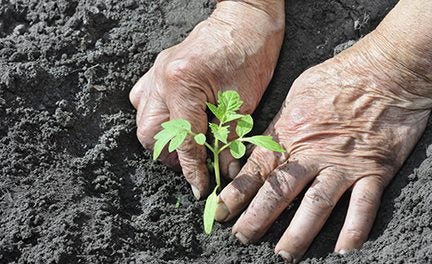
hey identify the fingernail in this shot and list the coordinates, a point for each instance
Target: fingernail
(244, 240)
(286, 256)
(222, 211)
(233, 169)
(342, 252)
(196, 192)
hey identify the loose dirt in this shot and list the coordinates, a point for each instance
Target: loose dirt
(75, 185)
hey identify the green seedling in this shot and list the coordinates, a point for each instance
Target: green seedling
(178, 203)
(176, 131)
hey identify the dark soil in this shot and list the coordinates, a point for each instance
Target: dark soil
(75, 185)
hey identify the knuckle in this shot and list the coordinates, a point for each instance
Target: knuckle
(194, 171)
(133, 97)
(244, 186)
(281, 183)
(190, 163)
(191, 153)
(260, 164)
(163, 56)
(189, 172)
(179, 69)
(365, 199)
(255, 169)
(135, 94)
(317, 198)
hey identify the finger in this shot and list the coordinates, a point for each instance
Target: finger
(364, 204)
(237, 195)
(192, 157)
(140, 91)
(281, 187)
(150, 115)
(149, 122)
(230, 166)
(315, 208)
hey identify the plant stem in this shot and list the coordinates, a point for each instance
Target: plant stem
(209, 147)
(216, 162)
(224, 147)
(216, 168)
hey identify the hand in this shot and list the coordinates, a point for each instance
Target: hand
(236, 48)
(348, 123)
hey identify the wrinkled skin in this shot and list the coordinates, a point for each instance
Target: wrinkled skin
(347, 124)
(342, 128)
(222, 53)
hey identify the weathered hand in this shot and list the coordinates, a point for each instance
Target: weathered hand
(236, 48)
(349, 122)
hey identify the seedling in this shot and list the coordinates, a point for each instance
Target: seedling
(176, 131)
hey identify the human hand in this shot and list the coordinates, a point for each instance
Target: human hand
(236, 48)
(348, 123)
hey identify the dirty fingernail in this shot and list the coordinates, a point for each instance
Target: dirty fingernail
(286, 256)
(222, 211)
(233, 169)
(242, 238)
(196, 192)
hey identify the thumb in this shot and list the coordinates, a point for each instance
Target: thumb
(192, 156)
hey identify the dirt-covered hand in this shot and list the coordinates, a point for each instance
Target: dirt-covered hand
(236, 48)
(348, 123)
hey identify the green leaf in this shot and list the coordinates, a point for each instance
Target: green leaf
(177, 140)
(217, 111)
(230, 100)
(220, 133)
(237, 149)
(244, 125)
(162, 138)
(228, 103)
(200, 139)
(177, 125)
(210, 211)
(175, 131)
(265, 142)
(231, 117)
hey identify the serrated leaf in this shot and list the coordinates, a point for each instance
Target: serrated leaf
(162, 138)
(220, 133)
(216, 111)
(210, 211)
(265, 142)
(177, 140)
(200, 139)
(175, 131)
(230, 100)
(232, 117)
(177, 125)
(244, 125)
(237, 149)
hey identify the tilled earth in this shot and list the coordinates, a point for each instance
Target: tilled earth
(75, 185)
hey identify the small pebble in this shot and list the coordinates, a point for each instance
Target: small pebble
(19, 29)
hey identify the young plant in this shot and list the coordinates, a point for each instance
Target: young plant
(175, 132)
